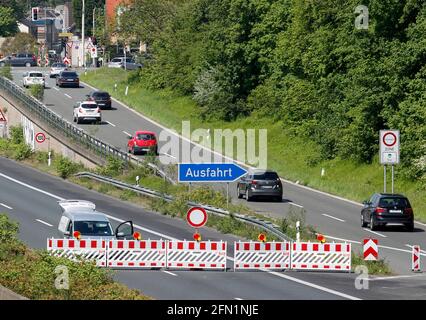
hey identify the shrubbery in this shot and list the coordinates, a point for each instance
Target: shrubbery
(65, 167)
(37, 91)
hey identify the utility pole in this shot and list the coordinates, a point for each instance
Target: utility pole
(93, 36)
(82, 35)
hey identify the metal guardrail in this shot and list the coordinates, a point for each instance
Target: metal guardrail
(265, 225)
(59, 124)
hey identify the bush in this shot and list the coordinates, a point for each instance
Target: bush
(16, 134)
(113, 168)
(37, 91)
(65, 167)
(6, 72)
(22, 151)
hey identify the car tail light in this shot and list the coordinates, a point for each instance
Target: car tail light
(380, 210)
(253, 182)
(408, 211)
(80, 110)
(98, 110)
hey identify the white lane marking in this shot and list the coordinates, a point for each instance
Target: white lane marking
(44, 222)
(169, 155)
(127, 133)
(379, 234)
(312, 285)
(238, 299)
(309, 284)
(228, 158)
(326, 215)
(295, 204)
(341, 239)
(3, 205)
(171, 273)
(67, 95)
(395, 277)
(110, 123)
(411, 247)
(55, 88)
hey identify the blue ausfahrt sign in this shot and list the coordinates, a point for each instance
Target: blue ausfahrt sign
(209, 172)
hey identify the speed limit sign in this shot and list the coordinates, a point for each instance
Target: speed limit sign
(40, 137)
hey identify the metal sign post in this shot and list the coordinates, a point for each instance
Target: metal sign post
(389, 152)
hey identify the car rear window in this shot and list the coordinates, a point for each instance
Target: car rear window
(59, 65)
(145, 136)
(89, 106)
(96, 228)
(36, 75)
(392, 202)
(266, 176)
(101, 95)
(69, 74)
(116, 60)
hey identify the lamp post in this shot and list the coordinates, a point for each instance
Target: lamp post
(82, 34)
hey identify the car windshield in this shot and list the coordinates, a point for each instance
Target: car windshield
(93, 228)
(89, 106)
(101, 95)
(145, 136)
(36, 75)
(393, 202)
(69, 74)
(266, 176)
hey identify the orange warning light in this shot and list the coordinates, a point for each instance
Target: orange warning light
(197, 237)
(261, 237)
(321, 238)
(77, 235)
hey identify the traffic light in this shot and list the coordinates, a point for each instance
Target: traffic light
(34, 14)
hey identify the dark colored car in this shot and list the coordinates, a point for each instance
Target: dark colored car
(256, 183)
(102, 98)
(20, 60)
(386, 208)
(142, 141)
(68, 78)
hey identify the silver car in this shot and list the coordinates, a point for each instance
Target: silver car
(56, 69)
(81, 220)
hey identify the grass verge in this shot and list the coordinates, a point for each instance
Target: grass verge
(294, 158)
(32, 273)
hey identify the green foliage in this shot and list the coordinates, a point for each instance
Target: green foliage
(37, 91)
(22, 151)
(380, 267)
(8, 25)
(16, 134)
(113, 168)
(8, 229)
(6, 72)
(21, 42)
(65, 167)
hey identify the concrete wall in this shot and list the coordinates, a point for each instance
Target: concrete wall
(16, 116)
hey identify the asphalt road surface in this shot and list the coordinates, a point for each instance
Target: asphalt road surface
(336, 218)
(30, 197)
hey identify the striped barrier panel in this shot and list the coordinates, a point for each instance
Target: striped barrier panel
(321, 256)
(136, 254)
(258, 255)
(193, 254)
(84, 249)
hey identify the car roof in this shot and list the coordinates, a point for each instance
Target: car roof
(99, 91)
(86, 216)
(88, 102)
(144, 132)
(254, 171)
(81, 210)
(396, 195)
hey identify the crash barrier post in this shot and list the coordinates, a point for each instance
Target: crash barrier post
(257, 255)
(321, 256)
(136, 254)
(73, 249)
(415, 266)
(199, 255)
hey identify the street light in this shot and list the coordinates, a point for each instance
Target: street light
(82, 34)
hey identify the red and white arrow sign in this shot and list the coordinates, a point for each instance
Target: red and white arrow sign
(371, 250)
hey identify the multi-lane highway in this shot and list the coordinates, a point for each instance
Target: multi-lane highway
(337, 218)
(30, 197)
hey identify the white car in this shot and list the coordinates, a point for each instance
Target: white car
(56, 69)
(32, 78)
(116, 62)
(87, 110)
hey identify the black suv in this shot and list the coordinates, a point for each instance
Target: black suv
(102, 98)
(20, 60)
(387, 208)
(260, 183)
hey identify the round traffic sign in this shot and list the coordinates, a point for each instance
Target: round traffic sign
(389, 139)
(196, 217)
(40, 137)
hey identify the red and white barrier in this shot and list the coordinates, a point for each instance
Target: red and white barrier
(415, 266)
(258, 255)
(193, 254)
(321, 256)
(136, 254)
(85, 249)
(371, 249)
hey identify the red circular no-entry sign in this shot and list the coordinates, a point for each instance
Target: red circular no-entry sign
(389, 139)
(40, 137)
(196, 217)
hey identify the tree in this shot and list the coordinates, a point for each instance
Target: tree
(22, 42)
(8, 25)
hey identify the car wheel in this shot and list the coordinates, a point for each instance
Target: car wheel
(74, 119)
(78, 120)
(28, 64)
(239, 193)
(248, 198)
(278, 198)
(373, 225)
(410, 227)
(363, 222)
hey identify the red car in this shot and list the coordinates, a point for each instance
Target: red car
(142, 142)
